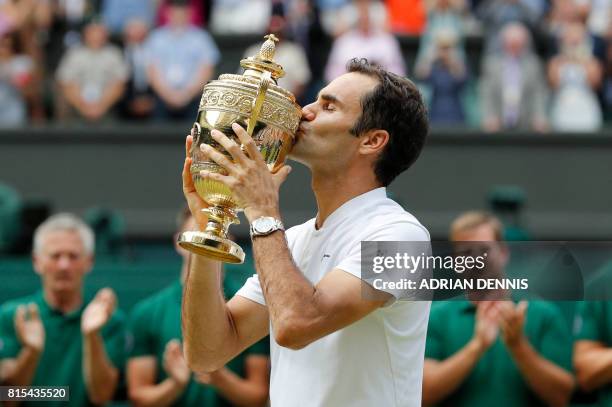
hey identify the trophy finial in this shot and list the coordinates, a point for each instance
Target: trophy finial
(264, 60)
(268, 48)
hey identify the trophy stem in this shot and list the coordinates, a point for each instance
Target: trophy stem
(213, 242)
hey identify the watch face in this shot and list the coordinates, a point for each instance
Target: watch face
(264, 225)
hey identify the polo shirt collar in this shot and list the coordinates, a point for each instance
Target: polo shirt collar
(354, 205)
(46, 309)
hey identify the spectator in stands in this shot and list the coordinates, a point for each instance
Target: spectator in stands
(365, 40)
(58, 336)
(444, 15)
(485, 353)
(117, 13)
(92, 77)
(240, 16)
(139, 99)
(16, 74)
(289, 55)
(157, 373)
(575, 76)
(513, 88)
(496, 14)
(445, 74)
(199, 12)
(339, 18)
(181, 58)
(69, 19)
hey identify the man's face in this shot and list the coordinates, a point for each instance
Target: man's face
(482, 240)
(178, 16)
(323, 140)
(96, 36)
(62, 261)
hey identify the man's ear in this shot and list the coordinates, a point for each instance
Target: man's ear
(35, 264)
(374, 141)
(90, 263)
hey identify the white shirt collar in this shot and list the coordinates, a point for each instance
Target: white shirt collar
(353, 205)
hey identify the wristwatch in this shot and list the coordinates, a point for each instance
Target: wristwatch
(265, 225)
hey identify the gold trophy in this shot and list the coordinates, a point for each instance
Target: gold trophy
(270, 115)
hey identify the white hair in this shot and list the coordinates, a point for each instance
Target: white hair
(64, 222)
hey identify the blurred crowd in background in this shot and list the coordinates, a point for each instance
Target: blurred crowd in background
(545, 65)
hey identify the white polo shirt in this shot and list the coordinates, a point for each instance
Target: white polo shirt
(374, 362)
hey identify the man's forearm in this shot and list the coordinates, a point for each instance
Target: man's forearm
(20, 371)
(100, 375)
(594, 368)
(208, 333)
(238, 391)
(441, 378)
(290, 297)
(157, 395)
(112, 94)
(550, 382)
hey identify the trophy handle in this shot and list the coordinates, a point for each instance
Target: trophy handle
(259, 101)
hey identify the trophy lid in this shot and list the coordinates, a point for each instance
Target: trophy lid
(264, 60)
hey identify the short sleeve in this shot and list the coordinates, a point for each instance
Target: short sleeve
(398, 233)
(66, 70)
(9, 344)
(140, 333)
(435, 333)
(116, 340)
(252, 290)
(588, 321)
(556, 339)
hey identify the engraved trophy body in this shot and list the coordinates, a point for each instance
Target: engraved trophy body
(270, 115)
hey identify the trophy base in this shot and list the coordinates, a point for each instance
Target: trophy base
(211, 246)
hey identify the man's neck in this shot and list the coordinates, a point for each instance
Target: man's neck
(63, 301)
(331, 192)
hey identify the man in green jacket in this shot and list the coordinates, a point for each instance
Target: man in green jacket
(57, 337)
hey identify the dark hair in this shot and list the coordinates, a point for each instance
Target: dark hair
(395, 105)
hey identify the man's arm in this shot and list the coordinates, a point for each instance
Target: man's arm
(551, 383)
(593, 363)
(442, 377)
(300, 312)
(213, 331)
(252, 390)
(142, 390)
(101, 376)
(31, 335)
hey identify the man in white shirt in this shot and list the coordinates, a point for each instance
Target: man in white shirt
(332, 344)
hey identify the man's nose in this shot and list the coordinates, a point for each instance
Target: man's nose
(308, 112)
(64, 262)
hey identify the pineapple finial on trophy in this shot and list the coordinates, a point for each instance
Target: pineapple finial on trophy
(264, 60)
(268, 48)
